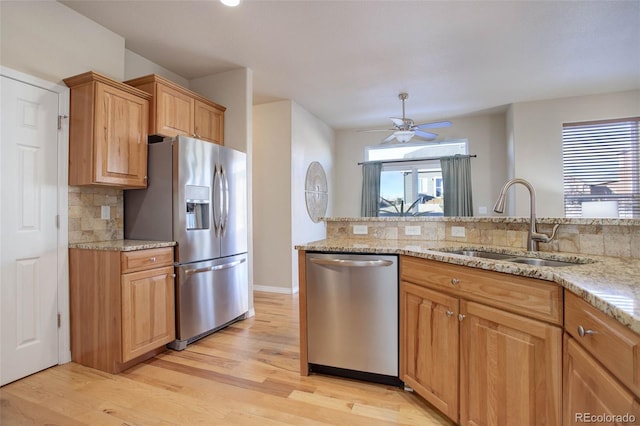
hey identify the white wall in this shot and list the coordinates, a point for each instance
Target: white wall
(287, 139)
(311, 140)
(487, 138)
(272, 196)
(48, 40)
(537, 143)
(138, 66)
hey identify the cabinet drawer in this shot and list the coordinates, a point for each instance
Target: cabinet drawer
(145, 259)
(525, 296)
(610, 342)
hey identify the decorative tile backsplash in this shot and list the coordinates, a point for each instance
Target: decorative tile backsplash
(85, 223)
(608, 237)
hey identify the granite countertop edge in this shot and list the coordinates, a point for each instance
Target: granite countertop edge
(122, 245)
(610, 284)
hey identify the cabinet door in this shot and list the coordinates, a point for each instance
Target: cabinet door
(590, 390)
(174, 112)
(429, 346)
(209, 123)
(148, 316)
(510, 368)
(120, 141)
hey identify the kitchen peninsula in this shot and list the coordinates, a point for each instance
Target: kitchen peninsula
(569, 334)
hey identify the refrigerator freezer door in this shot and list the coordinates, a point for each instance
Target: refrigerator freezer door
(209, 295)
(194, 198)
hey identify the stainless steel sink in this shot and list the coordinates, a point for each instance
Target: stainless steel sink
(541, 262)
(483, 254)
(515, 258)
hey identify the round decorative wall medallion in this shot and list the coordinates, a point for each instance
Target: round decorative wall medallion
(316, 191)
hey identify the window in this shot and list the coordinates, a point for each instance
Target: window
(411, 178)
(601, 168)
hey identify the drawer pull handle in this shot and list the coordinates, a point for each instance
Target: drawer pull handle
(582, 332)
(455, 281)
(449, 314)
(152, 259)
(461, 317)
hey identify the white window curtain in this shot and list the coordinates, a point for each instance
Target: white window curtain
(370, 189)
(456, 184)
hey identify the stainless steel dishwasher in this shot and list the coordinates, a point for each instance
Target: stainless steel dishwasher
(352, 316)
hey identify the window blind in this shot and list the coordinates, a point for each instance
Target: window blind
(601, 168)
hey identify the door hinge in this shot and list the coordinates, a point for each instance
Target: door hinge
(60, 118)
(58, 221)
(59, 320)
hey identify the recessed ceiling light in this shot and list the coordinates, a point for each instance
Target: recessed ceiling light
(230, 3)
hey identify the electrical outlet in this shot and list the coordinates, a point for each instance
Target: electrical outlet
(458, 231)
(482, 210)
(412, 230)
(360, 230)
(105, 212)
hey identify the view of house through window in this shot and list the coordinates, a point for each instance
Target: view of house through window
(411, 179)
(601, 169)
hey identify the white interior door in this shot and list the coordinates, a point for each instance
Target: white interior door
(28, 230)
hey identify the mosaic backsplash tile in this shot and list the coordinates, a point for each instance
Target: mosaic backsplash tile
(85, 224)
(617, 238)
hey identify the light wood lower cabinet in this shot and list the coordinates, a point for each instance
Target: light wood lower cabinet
(429, 349)
(591, 391)
(601, 366)
(510, 368)
(508, 364)
(122, 306)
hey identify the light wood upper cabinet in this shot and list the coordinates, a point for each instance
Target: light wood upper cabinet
(108, 132)
(122, 306)
(176, 110)
(498, 333)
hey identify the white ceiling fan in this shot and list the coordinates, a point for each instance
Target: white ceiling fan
(405, 128)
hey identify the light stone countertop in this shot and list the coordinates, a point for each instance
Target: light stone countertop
(122, 245)
(611, 284)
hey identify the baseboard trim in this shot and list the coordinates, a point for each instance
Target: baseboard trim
(273, 289)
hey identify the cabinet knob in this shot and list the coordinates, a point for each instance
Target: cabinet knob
(449, 313)
(152, 259)
(461, 317)
(173, 275)
(582, 332)
(455, 281)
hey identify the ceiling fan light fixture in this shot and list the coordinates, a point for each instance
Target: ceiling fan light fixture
(403, 135)
(230, 3)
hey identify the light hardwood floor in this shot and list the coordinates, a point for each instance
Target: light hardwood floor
(246, 374)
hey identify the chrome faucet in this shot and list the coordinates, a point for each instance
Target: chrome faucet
(534, 236)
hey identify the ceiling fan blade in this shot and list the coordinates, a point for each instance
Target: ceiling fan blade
(376, 130)
(426, 135)
(397, 121)
(434, 125)
(388, 138)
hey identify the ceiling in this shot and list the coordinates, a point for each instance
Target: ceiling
(346, 61)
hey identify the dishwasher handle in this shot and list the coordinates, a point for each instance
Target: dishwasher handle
(351, 263)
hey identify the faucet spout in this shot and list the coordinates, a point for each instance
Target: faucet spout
(533, 236)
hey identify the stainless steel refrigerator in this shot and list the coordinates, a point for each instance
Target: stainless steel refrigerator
(196, 196)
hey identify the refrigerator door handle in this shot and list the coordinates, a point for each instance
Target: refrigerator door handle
(216, 202)
(215, 268)
(225, 204)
